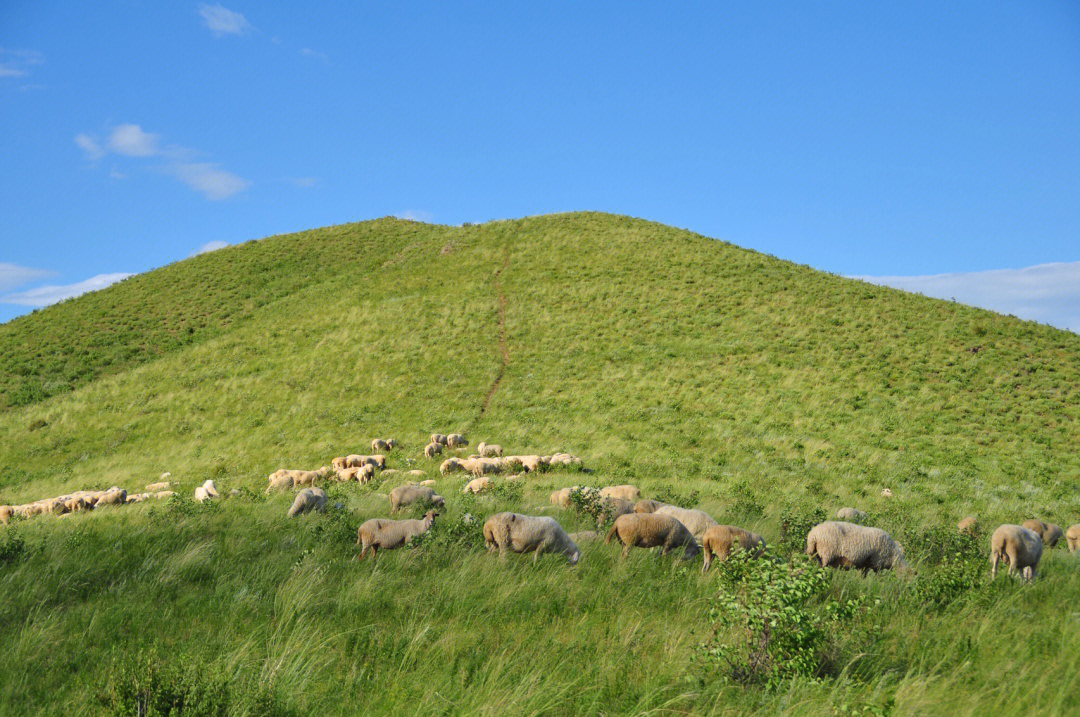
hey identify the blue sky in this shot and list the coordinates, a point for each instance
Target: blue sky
(906, 141)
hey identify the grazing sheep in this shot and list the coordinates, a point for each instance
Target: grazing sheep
(438, 438)
(279, 482)
(113, 496)
(429, 481)
(696, 521)
(451, 465)
(1020, 547)
(563, 459)
(206, 491)
(390, 472)
(847, 545)
(307, 500)
(483, 466)
(405, 495)
(380, 445)
(55, 506)
(852, 515)
(309, 477)
(6, 513)
(155, 487)
(652, 530)
(390, 534)
(365, 473)
(528, 534)
(489, 450)
(648, 506)
(613, 508)
(968, 526)
(532, 464)
(432, 449)
(1072, 535)
(1049, 532)
(477, 485)
(625, 492)
(418, 472)
(75, 504)
(340, 463)
(720, 539)
(165, 494)
(165, 476)
(350, 474)
(561, 497)
(456, 440)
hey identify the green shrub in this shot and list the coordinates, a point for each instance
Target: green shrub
(12, 546)
(794, 525)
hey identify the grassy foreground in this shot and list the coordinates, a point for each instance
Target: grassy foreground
(698, 371)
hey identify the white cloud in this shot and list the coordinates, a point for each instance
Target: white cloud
(223, 21)
(13, 275)
(215, 183)
(416, 215)
(1047, 293)
(46, 295)
(17, 63)
(130, 140)
(11, 71)
(308, 52)
(90, 147)
(211, 246)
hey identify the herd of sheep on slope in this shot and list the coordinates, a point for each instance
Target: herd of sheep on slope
(638, 522)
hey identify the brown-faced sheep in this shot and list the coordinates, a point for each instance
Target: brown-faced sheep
(719, 541)
(625, 492)
(6, 513)
(1049, 532)
(405, 495)
(696, 521)
(477, 485)
(968, 526)
(489, 450)
(307, 500)
(383, 445)
(432, 449)
(648, 506)
(528, 534)
(438, 438)
(1020, 547)
(155, 487)
(847, 545)
(451, 465)
(390, 534)
(652, 530)
(1072, 537)
(852, 515)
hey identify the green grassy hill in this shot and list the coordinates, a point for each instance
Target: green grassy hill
(705, 374)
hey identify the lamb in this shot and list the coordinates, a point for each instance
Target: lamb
(1020, 547)
(968, 526)
(380, 445)
(451, 465)
(696, 521)
(307, 500)
(625, 492)
(852, 515)
(489, 450)
(432, 449)
(405, 495)
(390, 534)
(456, 440)
(651, 530)
(6, 514)
(528, 534)
(439, 438)
(207, 491)
(1049, 532)
(648, 506)
(719, 541)
(477, 485)
(847, 545)
(1072, 535)
(155, 487)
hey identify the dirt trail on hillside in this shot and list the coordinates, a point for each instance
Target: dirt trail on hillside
(503, 350)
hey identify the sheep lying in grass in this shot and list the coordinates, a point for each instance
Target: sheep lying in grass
(155, 487)
(114, 496)
(456, 440)
(383, 445)
(528, 534)
(429, 481)
(390, 534)
(1072, 536)
(652, 530)
(624, 492)
(696, 521)
(719, 541)
(1020, 547)
(533, 464)
(968, 525)
(489, 450)
(1049, 532)
(483, 466)
(432, 449)
(355, 461)
(405, 495)
(648, 506)
(207, 491)
(852, 515)
(477, 485)
(563, 459)
(310, 477)
(847, 545)
(161, 495)
(561, 497)
(307, 500)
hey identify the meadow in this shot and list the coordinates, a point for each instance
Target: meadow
(707, 375)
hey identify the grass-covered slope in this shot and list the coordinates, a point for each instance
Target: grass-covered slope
(694, 369)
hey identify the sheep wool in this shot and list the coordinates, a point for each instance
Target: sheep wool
(1021, 548)
(847, 545)
(528, 534)
(653, 530)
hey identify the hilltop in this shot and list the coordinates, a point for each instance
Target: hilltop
(695, 369)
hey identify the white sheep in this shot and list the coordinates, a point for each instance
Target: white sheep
(207, 491)
(405, 495)
(380, 445)
(477, 485)
(624, 492)
(438, 438)
(1072, 535)
(456, 440)
(432, 449)
(390, 534)
(847, 545)
(451, 465)
(852, 515)
(1020, 547)
(307, 500)
(489, 450)
(696, 521)
(528, 534)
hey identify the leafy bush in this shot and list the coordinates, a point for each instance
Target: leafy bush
(12, 546)
(746, 501)
(467, 531)
(794, 525)
(772, 620)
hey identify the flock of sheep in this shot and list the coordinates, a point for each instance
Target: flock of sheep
(640, 523)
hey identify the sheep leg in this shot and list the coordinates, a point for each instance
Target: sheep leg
(1011, 555)
(707, 552)
(626, 549)
(995, 557)
(362, 552)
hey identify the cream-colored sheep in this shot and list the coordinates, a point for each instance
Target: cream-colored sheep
(696, 521)
(886, 493)
(6, 514)
(418, 472)
(1020, 547)
(1049, 532)
(625, 492)
(365, 473)
(648, 506)
(532, 464)
(613, 508)
(138, 497)
(340, 463)
(307, 500)
(528, 534)
(113, 496)
(439, 438)
(969, 525)
(55, 506)
(432, 449)
(456, 440)
(383, 445)
(390, 472)
(483, 466)
(165, 476)
(351, 474)
(489, 450)
(280, 482)
(155, 487)
(429, 481)
(390, 534)
(852, 515)
(165, 494)
(311, 477)
(405, 495)
(719, 541)
(847, 545)
(76, 504)
(561, 497)
(653, 530)
(1072, 536)
(563, 459)
(451, 465)
(477, 485)
(207, 491)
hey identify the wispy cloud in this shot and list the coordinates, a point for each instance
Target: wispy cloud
(47, 295)
(17, 63)
(210, 246)
(223, 21)
(308, 52)
(131, 141)
(1047, 293)
(214, 182)
(90, 147)
(13, 275)
(416, 215)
